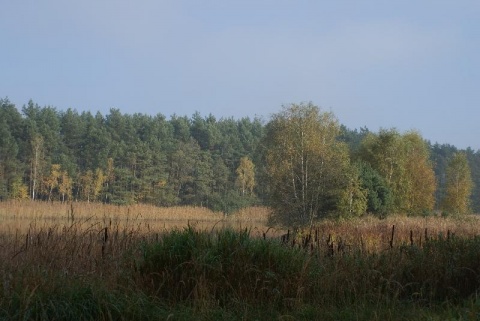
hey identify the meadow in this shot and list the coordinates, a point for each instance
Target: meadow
(88, 261)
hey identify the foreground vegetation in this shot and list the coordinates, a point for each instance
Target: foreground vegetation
(399, 268)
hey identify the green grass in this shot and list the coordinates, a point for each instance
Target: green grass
(228, 275)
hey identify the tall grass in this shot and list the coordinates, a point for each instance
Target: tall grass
(93, 268)
(68, 275)
(227, 268)
(222, 268)
(19, 216)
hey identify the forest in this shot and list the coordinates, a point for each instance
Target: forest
(302, 159)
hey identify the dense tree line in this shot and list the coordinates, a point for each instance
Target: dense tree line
(302, 161)
(46, 154)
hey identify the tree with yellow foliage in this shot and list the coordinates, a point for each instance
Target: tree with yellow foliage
(421, 183)
(65, 186)
(459, 185)
(19, 190)
(307, 165)
(98, 182)
(246, 176)
(404, 163)
(353, 201)
(86, 183)
(51, 182)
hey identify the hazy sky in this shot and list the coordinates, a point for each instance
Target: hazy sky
(398, 63)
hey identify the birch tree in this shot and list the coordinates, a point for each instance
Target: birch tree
(86, 184)
(306, 163)
(98, 182)
(354, 201)
(52, 181)
(403, 161)
(459, 185)
(246, 176)
(36, 164)
(65, 186)
(420, 194)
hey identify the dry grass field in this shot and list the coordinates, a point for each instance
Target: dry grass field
(369, 233)
(78, 237)
(101, 262)
(50, 249)
(372, 235)
(21, 216)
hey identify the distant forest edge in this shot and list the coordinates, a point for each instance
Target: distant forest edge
(226, 164)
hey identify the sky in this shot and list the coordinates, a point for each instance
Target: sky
(404, 64)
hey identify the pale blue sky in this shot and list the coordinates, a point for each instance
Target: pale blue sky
(396, 63)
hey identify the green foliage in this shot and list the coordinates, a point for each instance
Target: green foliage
(81, 302)
(245, 176)
(18, 190)
(441, 154)
(354, 200)
(403, 161)
(306, 163)
(194, 161)
(10, 166)
(145, 159)
(230, 202)
(379, 196)
(458, 185)
(353, 138)
(224, 268)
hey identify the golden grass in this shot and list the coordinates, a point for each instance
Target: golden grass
(82, 210)
(42, 249)
(372, 234)
(369, 233)
(42, 239)
(22, 215)
(44, 235)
